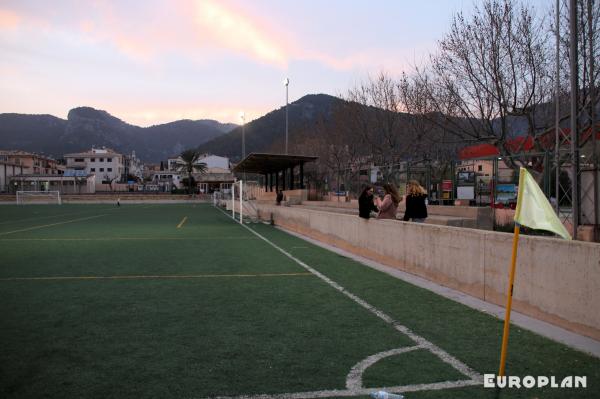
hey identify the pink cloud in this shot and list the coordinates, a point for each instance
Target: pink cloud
(9, 19)
(156, 113)
(225, 27)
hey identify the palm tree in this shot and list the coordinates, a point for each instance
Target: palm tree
(189, 163)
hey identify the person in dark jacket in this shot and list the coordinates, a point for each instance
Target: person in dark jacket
(416, 208)
(366, 204)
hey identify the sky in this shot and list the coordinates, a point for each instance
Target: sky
(155, 61)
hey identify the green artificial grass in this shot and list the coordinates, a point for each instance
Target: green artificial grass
(241, 319)
(471, 336)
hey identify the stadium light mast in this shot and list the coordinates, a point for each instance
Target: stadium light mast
(286, 83)
(243, 118)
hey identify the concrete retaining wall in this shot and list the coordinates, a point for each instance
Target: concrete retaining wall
(557, 281)
(460, 216)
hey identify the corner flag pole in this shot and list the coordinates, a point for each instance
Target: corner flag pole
(509, 296)
(534, 211)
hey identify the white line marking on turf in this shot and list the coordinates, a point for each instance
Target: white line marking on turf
(131, 238)
(475, 377)
(182, 222)
(354, 378)
(141, 277)
(52, 224)
(358, 392)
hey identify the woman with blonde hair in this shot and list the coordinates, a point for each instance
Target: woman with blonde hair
(416, 208)
(389, 205)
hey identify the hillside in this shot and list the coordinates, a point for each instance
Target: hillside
(268, 131)
(86, 127)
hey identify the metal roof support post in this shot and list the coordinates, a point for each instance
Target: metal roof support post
(283, 180)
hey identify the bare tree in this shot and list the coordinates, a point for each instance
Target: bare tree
(490, 70)
(374, 110)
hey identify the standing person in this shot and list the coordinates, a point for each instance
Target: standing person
(389, 205)
(365, 203)
(416, 209)
(279, 197)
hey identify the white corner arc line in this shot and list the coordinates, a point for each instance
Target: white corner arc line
(421, 342)
(354, 378)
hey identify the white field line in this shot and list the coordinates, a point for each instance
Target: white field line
(182, 222)
(354, 378)
(132, 238)
(40, 217)
(142, 277)
(358, 392)
(475, 377)
(51, 224)
(51, 216)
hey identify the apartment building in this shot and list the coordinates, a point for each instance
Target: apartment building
(31, 163)
(107, 165)
(7, 170)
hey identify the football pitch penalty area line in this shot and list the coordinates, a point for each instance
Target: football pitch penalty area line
(51, 224)
(182, 222)
(142, 277)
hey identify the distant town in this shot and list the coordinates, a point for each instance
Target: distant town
(97, 170)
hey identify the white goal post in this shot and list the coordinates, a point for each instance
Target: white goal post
(38, 197)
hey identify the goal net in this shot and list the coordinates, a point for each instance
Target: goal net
(38, 197)
(242, 209)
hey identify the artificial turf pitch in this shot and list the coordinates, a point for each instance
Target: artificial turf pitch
(179, 301)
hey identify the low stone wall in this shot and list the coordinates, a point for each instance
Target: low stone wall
(557, 281)
(460, 216)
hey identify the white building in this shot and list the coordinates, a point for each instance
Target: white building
(133, 166)
(166, 181)
(214, 163)
(107, 165)
(218, 175)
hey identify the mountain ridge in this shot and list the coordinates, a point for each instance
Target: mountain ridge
(86, 127)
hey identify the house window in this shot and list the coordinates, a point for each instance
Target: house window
(101, 159)
(108, 159)
(92, 169)
(92, 159)
(479, 168)
(109, 169)
(78, 159)
(101, 169)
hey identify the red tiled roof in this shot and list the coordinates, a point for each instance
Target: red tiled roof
(523, 144)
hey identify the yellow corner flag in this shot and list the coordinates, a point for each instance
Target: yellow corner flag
(534, 210)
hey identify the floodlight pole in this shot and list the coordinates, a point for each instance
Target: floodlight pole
(243, 116)
(241, 204)
(286, 82)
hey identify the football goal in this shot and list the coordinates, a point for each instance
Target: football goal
(38, 197)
